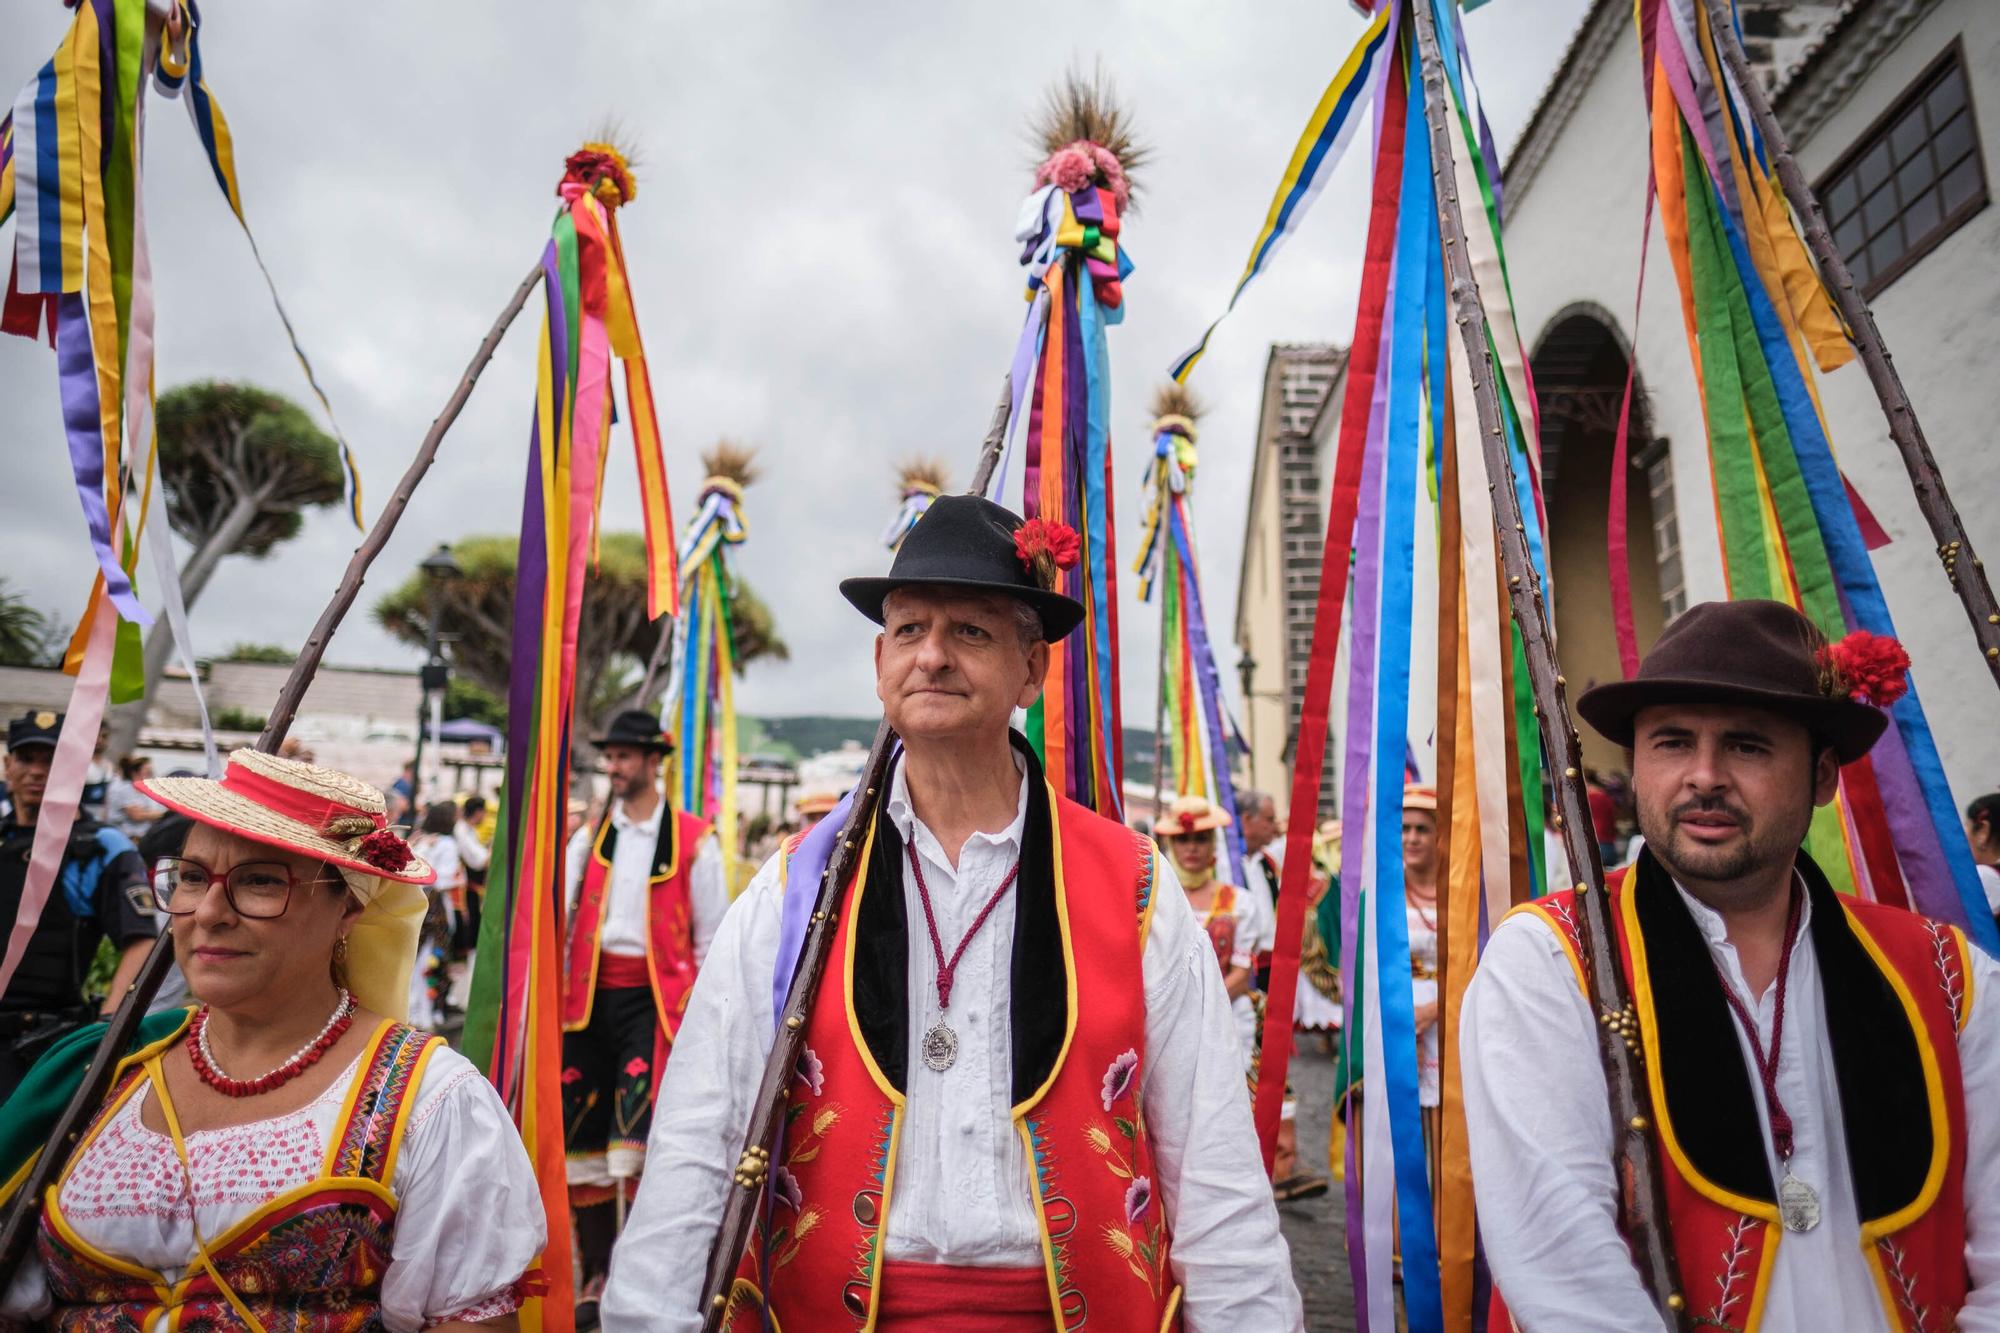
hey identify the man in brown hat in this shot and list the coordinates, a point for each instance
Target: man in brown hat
(1824, 1073)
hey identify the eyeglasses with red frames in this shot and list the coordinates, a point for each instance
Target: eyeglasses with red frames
(257, 889)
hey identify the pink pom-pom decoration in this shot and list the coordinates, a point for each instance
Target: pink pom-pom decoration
(1068, 169)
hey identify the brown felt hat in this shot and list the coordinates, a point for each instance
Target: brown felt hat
(1755, 653)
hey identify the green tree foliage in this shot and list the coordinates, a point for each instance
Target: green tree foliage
(29, 637)
(476, 617)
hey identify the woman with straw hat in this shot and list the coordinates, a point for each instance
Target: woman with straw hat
(288, 1154)
(1240, 929)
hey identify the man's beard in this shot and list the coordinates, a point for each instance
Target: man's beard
(1754, 850)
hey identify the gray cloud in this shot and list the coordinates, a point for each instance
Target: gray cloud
(821, 249)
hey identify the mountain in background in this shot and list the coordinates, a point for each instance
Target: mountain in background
(796, 738)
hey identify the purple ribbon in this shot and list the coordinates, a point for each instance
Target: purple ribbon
(76, 368)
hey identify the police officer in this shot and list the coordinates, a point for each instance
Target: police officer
(100, 893)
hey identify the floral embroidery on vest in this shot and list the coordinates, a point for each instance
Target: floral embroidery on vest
(1736, 1269)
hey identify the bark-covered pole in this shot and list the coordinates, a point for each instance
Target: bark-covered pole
(1642, 1202)
(24, 1209)
(1954, 549)
(767, 1113)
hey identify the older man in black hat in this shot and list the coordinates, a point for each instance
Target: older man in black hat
(100, 893)
(1824, 1072)
(646, 891)
(1013, 979)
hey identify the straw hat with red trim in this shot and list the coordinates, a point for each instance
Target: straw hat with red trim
(1192, 814)
(299, 807)
(1420, 798)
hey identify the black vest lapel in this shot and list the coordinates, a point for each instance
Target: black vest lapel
(881, 996)
(1038, 1012)
(1709, 1101)
(1884, 1104)
(666, 847)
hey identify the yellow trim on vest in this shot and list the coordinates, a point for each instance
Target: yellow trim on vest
(1649, 1032)
(652, 962)
(363, 1064)
(1872, 1231)
(1964, 971)
(1152, 864)
(597, 928)
(1761, 1289)
(408, 1104)
(1021, 1109)
(882, 1083)
(1173, 1309)
(1535, 908)
(1886, 1293)
(1048, 1242)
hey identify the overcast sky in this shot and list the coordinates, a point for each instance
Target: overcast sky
(821, 251)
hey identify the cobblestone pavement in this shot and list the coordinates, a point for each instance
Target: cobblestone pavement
(1315, 1229)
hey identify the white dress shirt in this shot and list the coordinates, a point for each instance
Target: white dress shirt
(962, 1191)
(627, 902)
(1535, 1102)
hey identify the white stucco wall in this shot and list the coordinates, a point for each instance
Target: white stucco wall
(1574, 236)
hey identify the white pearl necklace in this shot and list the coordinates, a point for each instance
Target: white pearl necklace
(343, 1007)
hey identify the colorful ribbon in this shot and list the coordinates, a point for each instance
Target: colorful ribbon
(703, 692)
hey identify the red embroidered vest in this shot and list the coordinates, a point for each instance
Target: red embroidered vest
(310, 1260)
(1105, 1238)
(669, 922)
(1899, 976)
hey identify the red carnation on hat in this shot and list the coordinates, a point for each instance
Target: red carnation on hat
(1046, 546)
(385, 851)
(1867, 668)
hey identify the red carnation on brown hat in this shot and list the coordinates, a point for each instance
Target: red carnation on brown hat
(1867, 668)
(1046, 546)
(384, 850)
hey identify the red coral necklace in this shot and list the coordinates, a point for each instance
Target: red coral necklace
(305, 1058)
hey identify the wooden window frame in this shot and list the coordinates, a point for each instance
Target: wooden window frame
(1877, 132)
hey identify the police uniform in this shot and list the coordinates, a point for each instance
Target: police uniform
(100, 893)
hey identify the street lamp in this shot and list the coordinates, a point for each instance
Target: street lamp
(1246, 674)
(438, 568)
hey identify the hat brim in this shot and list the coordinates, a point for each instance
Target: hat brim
(1059, 614)
(1851, 728)
(1169, 827)
(656, 746)
(206, 801)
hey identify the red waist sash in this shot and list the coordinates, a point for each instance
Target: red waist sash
(948, 1298)
(622, 971)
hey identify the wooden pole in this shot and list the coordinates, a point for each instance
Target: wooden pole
(1954, 549)
(754, 1162)
(1642, 1210)
(24, 1209)
(1160, 681)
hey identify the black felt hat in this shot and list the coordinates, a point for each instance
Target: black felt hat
(637, 728)
(968, 542)
(1757, 653)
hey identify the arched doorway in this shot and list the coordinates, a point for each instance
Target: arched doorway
(1579, 367)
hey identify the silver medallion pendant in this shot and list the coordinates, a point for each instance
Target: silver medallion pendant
(1798, 1203)
(941, 1049)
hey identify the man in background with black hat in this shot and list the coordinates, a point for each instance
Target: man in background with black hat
(646, 891)
(101, 892)
(1824, 1071)
(1012, 978)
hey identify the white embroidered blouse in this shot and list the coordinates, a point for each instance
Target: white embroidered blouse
(464, 1237)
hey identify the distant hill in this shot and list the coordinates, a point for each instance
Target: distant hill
(801, 737)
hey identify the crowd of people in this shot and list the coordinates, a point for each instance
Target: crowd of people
(1024, 1088)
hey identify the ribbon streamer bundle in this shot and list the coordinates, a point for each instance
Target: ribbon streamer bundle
(513, 1027)
(703, 679)
(918, 482)
(1757, 319)
(1409, 481)
(1069, 231)
(1201, 736)
(71, 176)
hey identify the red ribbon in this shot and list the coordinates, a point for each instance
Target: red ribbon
(284, 799)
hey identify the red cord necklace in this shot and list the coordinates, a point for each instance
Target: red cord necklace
(305, 1058)
(1798, 1202)
(941, 1043)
